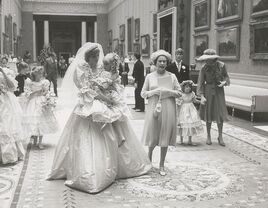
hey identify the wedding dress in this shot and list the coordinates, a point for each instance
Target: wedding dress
(87, 154)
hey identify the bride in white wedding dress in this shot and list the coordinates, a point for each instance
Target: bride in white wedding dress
(87, 155)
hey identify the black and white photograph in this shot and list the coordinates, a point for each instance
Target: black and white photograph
(133, 103)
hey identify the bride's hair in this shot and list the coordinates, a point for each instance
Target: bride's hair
(91, 53)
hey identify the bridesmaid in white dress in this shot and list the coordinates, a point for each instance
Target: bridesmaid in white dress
(88, 155)
(11, 131)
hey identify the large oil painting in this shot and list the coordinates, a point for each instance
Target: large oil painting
(259, 8)
(259, 40)
(201, 44)
(228, 10)
(228, 42)
(202, 15)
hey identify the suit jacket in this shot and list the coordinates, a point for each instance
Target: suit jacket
(138, 73)
(51, 68)
(184, 73)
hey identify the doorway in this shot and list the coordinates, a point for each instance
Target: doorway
(166, 33)
(167, 30)
(65, 38)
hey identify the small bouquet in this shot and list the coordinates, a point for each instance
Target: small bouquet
(49, 102)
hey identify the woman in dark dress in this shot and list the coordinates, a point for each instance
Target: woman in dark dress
(212, 78)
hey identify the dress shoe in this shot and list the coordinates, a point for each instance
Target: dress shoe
(162, 171)
(135, 108)
(221, 142)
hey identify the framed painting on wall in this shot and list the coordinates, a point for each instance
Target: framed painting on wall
(137, 29)
(202, 15)
(259, 41)
(122, 32)
(145, 45)
(228, 43)
(115, 45)
(200, 44)
(110, 37)
(259, 8)
(228, 10)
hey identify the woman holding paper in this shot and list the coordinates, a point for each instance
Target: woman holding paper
(160, 88)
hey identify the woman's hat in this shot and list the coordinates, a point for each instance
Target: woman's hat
(208, 54)
(158, 53)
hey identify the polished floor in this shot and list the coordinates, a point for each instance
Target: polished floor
(197, 176)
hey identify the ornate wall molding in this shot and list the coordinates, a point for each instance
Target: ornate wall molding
(62, 7)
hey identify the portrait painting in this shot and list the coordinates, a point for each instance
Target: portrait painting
(259, 8)
(137, 29)
(228, 43)
(202, 15)
(259, 40)
(201, 44)
(122, 32)
(228, 10)
(145, 45)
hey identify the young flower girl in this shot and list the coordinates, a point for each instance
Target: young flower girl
(39, 118)
(188, 119)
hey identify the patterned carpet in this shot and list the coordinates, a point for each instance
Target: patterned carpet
(197, 176)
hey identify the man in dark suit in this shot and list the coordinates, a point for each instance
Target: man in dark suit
(51, 70)
(178, 68)
(138, 75)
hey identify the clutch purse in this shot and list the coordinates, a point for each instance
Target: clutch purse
(158, 107)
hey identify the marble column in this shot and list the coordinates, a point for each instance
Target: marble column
(83, 33)
(46, 32)
(34, 40)
(95, 32)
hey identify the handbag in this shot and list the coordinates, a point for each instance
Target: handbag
(158, 107)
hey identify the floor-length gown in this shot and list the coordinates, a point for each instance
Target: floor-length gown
(87, 154)
(11, 131)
